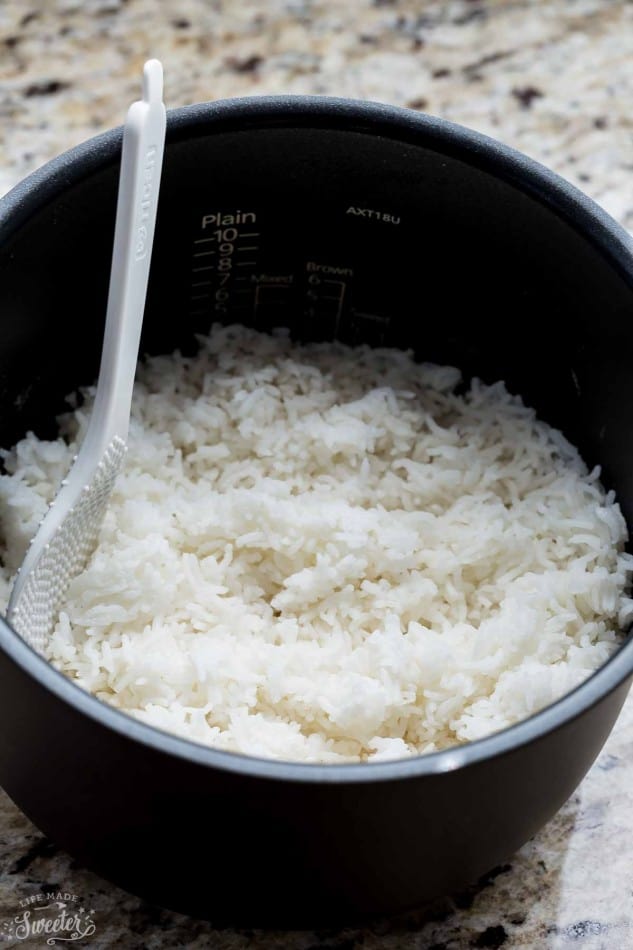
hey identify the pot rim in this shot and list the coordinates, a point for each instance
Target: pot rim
(399, 124)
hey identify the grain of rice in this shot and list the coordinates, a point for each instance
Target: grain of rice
(323, 553)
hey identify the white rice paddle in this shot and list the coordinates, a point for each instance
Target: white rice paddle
(68, 532)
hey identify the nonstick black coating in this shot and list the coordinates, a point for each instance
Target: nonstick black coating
(372, 224)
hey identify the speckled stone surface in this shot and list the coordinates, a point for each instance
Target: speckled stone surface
(554, 79)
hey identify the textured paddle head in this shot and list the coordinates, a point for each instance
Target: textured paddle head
(44, 578)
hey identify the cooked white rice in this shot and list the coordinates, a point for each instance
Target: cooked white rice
(322, 553)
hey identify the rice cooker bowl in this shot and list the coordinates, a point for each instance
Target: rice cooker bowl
(368, 224)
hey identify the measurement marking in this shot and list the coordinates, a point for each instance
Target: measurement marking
(257, 298)
(243, 290)
(339, 297)
(244, 263)
(200, 296)
(203, 283)
(198, 313)
(250, 234)
(197, 270)
(204, 240)
(339, 311)
(249, 247)
(204, 254)
(236, 279)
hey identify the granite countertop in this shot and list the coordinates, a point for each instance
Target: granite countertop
(553, 78)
